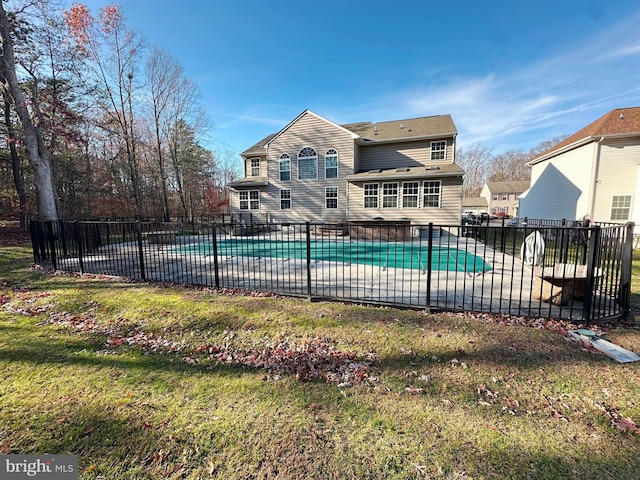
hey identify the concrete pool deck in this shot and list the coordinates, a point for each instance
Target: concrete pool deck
(507, 288)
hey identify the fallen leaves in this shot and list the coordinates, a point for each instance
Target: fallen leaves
(618, 421)
(315, 359)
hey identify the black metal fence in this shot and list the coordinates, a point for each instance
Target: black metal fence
(579, 273)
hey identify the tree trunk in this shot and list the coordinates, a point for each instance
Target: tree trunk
(36, 154)
(15, 163)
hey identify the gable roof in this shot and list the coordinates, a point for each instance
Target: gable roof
(422, 127)
(474, 202)
(436, 126)
(617, 122)
(516, 186)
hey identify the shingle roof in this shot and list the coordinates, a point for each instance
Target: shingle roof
(517, 186)
(258, 149)
(423, 127)
(618, 121)
(434, 126)
(474, 202)
(443, 170)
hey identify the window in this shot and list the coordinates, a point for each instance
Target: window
(495, 196)
(255, 167)
(494, 210)
(307, 164)
(438, 150)
(285, 199)
(250, 200)
(505, 196)
(285, 168)
(331, 163)
(331, 197)
(370, 195)
(621, 207)
(389, 195)
(432, 190)
(410, 195)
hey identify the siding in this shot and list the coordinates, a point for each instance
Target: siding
(560, 187)
(408, 154)
(448, 213)
(616, 176)
(308, 196)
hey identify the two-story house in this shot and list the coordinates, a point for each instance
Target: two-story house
(316, 170)
(502, 197)
(594, 173)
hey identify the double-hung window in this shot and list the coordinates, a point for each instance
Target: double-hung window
(410, 194)
(285, 199)
(249, 200)
(438, 150)
(620, 207)
(255, 167)
(495, 196)
(390, 195)
(505, 196)
(285, 168)
(331, 163)
(331, 197)
(307, 164)
(432, 190)
(370, 195)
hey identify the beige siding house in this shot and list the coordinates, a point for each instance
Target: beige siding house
(502, 197)
(594, 173)
(316, 170)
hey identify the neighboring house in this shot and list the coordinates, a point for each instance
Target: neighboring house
(316, 170)
(475, 205)
(502, 197)
(594, 173)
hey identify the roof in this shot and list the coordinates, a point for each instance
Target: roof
(617, 122)
(422, 127)
(250, 182)
(474, 202)
(517, 186)
(406, 173)
(258, 148)
(436, 126)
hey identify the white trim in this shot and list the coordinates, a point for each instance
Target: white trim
(251, 166)
(365, 196)
(248, 200)
(431, 151)
(417, 195)
(424, 193)
(337, 167)
(298, 157)
(336, 197)
(397, 195)
(290, 198)
(280, 160)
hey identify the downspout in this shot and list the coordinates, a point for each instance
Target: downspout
(595, 168)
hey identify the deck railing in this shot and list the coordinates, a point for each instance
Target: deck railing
(578, 273)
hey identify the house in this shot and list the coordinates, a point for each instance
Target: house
(502, 197)
(316, 170)
(475, 205)
(594, 173)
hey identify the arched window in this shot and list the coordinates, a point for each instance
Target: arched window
(331, 163)
(285, 168)
(307, 164)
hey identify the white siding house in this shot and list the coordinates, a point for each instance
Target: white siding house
(592, 174)
(316, 170)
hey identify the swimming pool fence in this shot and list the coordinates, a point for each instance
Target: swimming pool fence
(578, 273)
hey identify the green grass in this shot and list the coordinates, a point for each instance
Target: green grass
(500, 401)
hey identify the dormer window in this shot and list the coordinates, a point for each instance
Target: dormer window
(255, 167)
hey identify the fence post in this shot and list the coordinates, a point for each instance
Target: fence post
(308, 260)
(52, 245)
(594, 244)
(214, 237)
(35, 241)
(79, 245)
(429, 265)
(625, 274)
(140, 250)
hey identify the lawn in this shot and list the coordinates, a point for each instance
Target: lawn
(152, 381)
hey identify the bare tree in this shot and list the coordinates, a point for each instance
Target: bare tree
(37, 154)
(474, 160)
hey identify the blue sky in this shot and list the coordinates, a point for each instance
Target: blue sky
(511, 73)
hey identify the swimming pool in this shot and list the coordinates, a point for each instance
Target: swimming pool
(383, 254)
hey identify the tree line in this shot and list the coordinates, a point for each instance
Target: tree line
(482, 165)
(99, 124)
